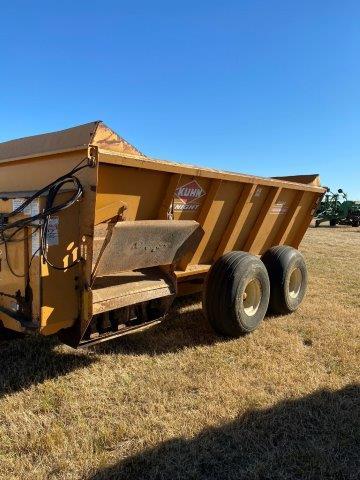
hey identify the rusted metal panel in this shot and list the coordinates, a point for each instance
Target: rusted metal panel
(146, 243)
(128, 288)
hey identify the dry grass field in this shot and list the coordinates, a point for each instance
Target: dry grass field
(177, 402)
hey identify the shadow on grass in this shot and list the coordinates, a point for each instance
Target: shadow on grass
(309, 438)
(28, 360)
(184, 327)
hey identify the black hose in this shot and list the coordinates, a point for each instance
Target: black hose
(41, 220)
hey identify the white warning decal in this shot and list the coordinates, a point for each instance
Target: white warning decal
(279, 208)
(53, 232)
(30, 210)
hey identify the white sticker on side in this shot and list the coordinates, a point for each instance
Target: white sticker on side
(53, 232)
(279, 208)
(30, 210)
(17, 202)
(35, 208)
(35, 244)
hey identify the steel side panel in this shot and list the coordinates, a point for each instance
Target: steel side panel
(152, 164)
(144, 190)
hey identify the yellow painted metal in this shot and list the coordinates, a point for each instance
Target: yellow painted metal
(55, 302)
(236, 212)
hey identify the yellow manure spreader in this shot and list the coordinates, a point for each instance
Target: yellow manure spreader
(97, 239)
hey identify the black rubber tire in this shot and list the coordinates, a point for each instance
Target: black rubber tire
(223, 293)
(280, 263)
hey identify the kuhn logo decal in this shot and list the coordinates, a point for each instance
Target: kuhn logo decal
(189, 192)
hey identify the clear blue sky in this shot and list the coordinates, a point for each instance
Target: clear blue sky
(264, 87)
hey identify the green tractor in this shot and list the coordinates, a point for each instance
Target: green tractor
(338, 210)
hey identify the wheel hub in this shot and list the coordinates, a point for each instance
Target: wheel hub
(252, 297)
(295, 283)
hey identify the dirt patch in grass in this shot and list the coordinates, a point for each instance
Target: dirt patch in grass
(178, 402)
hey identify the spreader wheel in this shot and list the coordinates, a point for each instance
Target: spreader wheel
(236, 294)
(288, 278)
